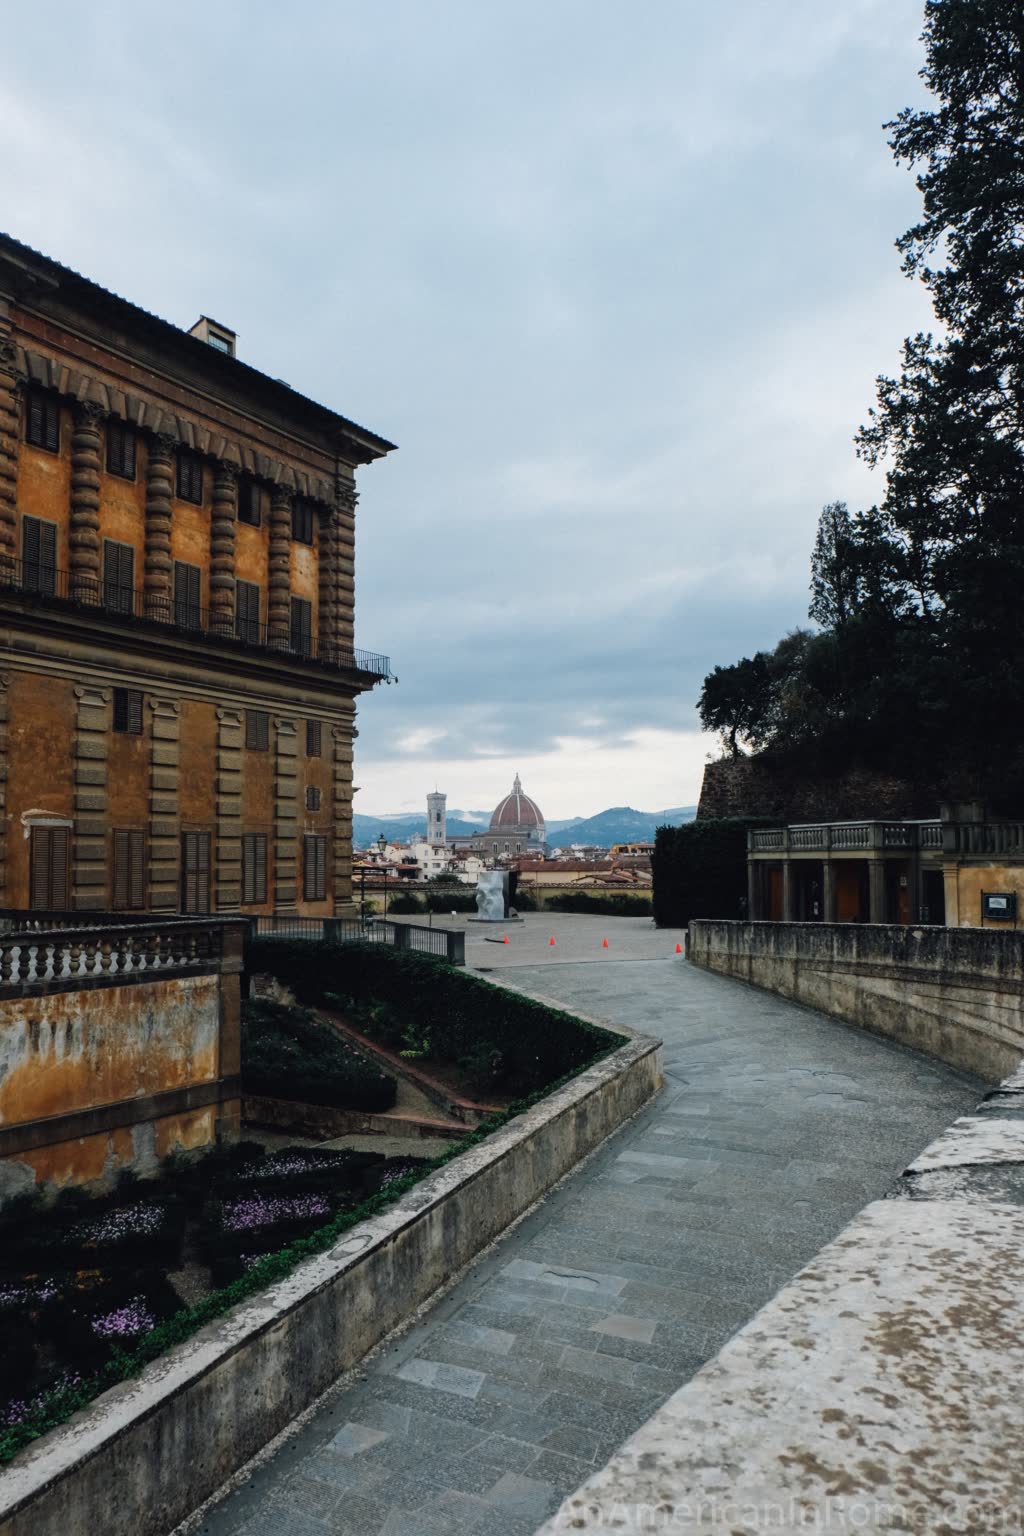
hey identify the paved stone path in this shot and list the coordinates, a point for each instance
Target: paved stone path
(774, 1127)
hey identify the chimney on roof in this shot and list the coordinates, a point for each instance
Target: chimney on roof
(214, 334)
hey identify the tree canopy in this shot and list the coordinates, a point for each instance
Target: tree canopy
(916, 666)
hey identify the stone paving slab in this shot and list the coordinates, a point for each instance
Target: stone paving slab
(564, 1339)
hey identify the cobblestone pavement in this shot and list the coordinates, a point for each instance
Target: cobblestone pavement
(774, 1127)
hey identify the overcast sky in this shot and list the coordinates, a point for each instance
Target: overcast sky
(616, 278)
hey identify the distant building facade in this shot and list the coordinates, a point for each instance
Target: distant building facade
(177, 700)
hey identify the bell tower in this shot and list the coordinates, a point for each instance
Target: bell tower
(437, 824)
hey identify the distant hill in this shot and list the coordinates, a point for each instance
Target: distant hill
(621, 824)
(367, 829)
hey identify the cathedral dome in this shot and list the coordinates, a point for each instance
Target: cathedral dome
(517, 811)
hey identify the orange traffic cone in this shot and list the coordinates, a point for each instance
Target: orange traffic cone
(505, 939)
(679, 949)
(604, 943)
(551, 940)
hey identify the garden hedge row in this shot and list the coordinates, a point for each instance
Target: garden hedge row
(615, 905)
(286, 1054)
(700, 870)
(428, 1008)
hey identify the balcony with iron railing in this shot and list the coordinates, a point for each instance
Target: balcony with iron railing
(72, 592)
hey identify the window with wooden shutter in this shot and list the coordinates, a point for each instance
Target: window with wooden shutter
(257, 730)
(129, 875)
(128, 711)
(250, 502)
(314, 738)
(38, 555)
(247, 611)
(314, 868)
(118, 576)
(254, 868)
(49, 861)
(302, 521)
(195, 872)
(302, 626)
(312, 798)
(120, 450)
(190, 477)
(42, 420)
(187, 594)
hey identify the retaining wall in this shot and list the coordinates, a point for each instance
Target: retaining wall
(878, 1391)
(143, 1456)
(957, 994)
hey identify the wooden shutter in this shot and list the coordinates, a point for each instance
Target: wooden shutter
(39, 555)
(190, 477)
(312, 798)
(49, 858)
(42, 420)
(128, 711)
(118, 576)
(247, 611)
(313, 738)
(254, 867)
(129, 879)
(302, 626)
(314, 868)
(257, 730)
(187, 590)
(120, 450)
(195, 872)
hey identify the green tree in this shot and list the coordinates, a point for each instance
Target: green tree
(736, 702)
(836, 577)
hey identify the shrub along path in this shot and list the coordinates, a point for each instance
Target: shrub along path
(775, 1126)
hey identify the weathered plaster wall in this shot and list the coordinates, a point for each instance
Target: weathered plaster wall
(148, 1452)
(955, 993)
(971, 880)
(94, 1159)
(67, 1051)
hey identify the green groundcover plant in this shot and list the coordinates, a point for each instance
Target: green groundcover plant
(414, 1003)
(288, 1054)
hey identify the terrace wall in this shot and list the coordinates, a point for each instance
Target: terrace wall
(957, 994)
(116, 1046)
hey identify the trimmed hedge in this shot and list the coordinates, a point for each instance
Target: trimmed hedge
(617, 905)
(700, 870)
(500, 1039)
(286, 1054)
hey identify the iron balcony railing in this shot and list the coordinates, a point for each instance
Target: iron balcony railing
(46, 583)
(443, 943)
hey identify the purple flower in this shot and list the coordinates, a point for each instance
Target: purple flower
(20, 1408)
(127, 1221)
(397, 1173)
(125, 1322)
(23, 1295)
(259, 1211)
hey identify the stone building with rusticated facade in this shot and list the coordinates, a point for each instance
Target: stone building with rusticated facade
(178, 674)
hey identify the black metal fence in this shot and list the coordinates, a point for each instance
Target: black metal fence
(74, 589)
(443, 943)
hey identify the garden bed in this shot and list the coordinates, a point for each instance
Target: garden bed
(500, 1044)
(86, 1281)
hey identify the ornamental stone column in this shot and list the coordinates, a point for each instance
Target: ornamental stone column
(8, 446)
(222, 547)
(157, 565)
(85, 502)
(345, 559)
(279, 584)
